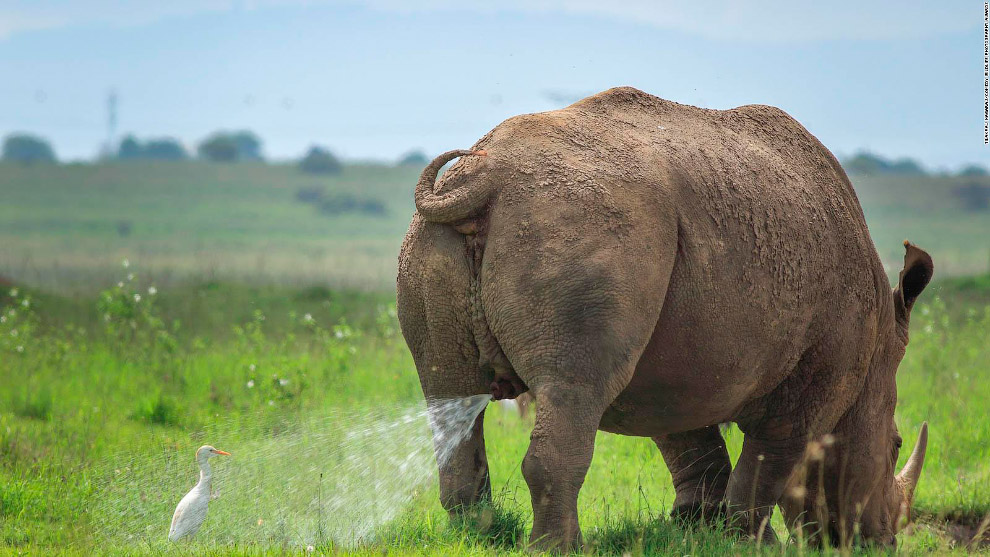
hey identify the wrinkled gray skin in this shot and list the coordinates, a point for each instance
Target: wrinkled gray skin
(654, 269)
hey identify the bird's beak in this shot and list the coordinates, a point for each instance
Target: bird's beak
(223, 452)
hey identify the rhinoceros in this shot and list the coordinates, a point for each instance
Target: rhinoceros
(654, 269)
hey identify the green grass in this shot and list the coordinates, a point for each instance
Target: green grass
(99, 420)
(271, 333)
(63, 227)
(60, 226)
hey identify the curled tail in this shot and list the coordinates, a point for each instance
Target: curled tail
(454, 205)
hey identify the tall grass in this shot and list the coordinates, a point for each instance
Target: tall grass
(104, 400)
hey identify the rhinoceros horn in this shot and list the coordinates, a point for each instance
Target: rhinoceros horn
(909, 475)
(454, 205)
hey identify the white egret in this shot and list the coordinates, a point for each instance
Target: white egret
(191, 512)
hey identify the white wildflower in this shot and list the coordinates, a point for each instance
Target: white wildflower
(120, 284)
(13, 292)
(26, 303)
(310, 549)
(250, 384)
(130, 277)
(799, 492)
(125, 263)
(152, 291)
(3, 318)
(271, 403)
(12, 313)
(308, 317)
(252, 367)
(13, 332)
(137, 297)
(283, 382)
(20, 348)
(338, 333)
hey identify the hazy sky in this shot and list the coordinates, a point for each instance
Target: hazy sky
(372, 79)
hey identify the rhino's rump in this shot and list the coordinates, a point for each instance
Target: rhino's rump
(772, 247)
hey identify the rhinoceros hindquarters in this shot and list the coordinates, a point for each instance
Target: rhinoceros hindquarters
(433, 308)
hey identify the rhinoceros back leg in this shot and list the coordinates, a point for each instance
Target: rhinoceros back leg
(555, 465)
(574, 335)
(699, 465)
(572, 288)
(574, 370)
(434, 312)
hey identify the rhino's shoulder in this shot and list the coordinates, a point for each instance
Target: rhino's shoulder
(618, 96)
(763, 113)
(630, 100)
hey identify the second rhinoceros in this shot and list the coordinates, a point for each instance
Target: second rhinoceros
(655, 269)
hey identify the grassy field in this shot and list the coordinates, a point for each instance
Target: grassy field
(66, 227)
(106, 397)
(257, 322)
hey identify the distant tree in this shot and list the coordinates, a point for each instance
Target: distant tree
(414, 158)
(974, 170)
(162, 149)
(129, 148)
(219, 147)
(868, 163)
(27, 149)
(343, 203)
(865, 163)
(248, 146)
(124, 228)
(228, 147)
(320, 161)
(907, 167)
(309, 194)
(165, 149)
(974, 196)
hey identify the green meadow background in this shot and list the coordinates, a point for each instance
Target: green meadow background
(151, 307)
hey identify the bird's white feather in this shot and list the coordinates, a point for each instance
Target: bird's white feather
(191, 511)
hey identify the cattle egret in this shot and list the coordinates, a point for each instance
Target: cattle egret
(191, 512)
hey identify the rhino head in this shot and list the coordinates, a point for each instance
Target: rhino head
(847, 486)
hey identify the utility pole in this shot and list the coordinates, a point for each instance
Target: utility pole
(111, 123)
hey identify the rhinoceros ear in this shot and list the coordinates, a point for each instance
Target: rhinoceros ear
(914, 277)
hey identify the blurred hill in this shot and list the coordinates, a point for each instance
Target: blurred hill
(68, 227)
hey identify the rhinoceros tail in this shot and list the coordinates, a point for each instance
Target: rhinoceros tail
(454, 205)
